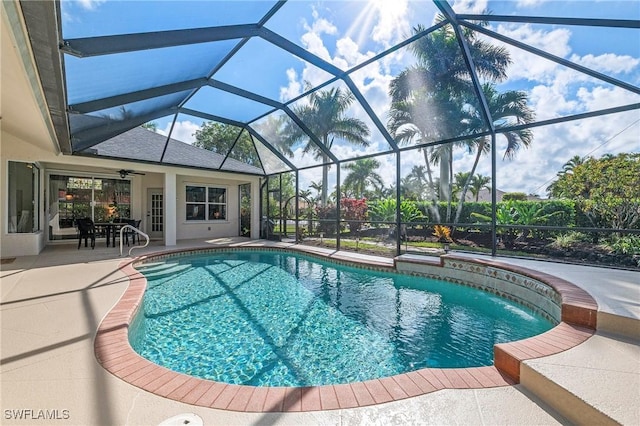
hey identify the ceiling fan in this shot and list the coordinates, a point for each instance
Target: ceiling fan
(124, 173)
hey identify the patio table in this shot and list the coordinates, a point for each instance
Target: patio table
(111, 229)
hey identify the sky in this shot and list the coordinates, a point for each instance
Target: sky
(346, 34)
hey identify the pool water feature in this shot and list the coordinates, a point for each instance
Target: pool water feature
(279, 319)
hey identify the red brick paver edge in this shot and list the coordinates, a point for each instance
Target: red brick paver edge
(115, 354)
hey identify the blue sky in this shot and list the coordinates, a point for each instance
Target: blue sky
(347, 33)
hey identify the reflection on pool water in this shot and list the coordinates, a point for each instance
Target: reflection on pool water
(280, 319)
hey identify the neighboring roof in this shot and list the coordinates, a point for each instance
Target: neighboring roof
(146, 145)
(485, 195)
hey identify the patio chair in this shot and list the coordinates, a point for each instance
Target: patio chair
(134, 235)
(86, 230)
(128, 233)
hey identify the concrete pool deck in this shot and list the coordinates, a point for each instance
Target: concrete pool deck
(52, 305)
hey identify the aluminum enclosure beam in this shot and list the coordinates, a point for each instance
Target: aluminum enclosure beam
(121, 43)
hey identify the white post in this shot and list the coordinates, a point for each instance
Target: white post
(255, 209)
(170, 209)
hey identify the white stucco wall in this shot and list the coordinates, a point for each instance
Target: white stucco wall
(16, 149)
(207, 229)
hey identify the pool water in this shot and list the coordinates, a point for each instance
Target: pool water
(279, 319)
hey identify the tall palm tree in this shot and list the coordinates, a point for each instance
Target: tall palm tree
(459, 180)
(507, 109)
(325, 116)
(363, 174)
(568, 167)
(424, 117)
(316, 186)
(432, 94)
(418, 179)
(575, 161)
(478, 183)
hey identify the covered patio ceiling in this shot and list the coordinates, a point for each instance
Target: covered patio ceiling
(252, 67)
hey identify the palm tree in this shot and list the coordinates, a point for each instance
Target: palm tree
(419, 180)
(324, 115)
(459, 180)
(568, 167)
(362, 175)
(478, 183)
(575, 161)
(316, 186)
(507, 109)
(429, 98)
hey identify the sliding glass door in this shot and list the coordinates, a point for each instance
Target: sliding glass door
(72, 197)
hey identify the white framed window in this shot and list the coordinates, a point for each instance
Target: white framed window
(23, 197)
(206, 203)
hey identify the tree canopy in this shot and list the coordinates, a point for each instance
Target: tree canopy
(222, 138)
(606, 189)
(325, 115)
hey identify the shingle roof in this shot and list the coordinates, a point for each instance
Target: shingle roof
(146, 145)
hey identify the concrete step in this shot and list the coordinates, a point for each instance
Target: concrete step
(596, 382)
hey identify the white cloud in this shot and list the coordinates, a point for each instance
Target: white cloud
(554, 91)
(549, 102)
(312, 39)
(293, 89)
(392, 18)
(349, 51)
(90, 4)
(530, 3)
(533, 169)
(600, 97)
(526, 65)
(470, 6)
(608, 62)
(183, 131)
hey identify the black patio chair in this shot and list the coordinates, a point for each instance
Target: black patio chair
(86, 230)
(134, 235)
(129, 233)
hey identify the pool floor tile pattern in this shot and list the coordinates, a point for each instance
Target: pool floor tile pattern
(113, 351)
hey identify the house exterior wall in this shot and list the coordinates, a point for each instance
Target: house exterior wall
(208, 229)
(22, 244)
(26, 135)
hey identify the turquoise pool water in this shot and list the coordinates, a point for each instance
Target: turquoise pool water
(279, 319)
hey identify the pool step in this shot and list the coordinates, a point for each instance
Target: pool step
(596, 382)
(163, 270)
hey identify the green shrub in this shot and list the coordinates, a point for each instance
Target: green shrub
(514, 196)
(385, 211)
(625, 244)
(568, 239)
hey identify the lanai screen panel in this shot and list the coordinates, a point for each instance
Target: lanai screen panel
(98, 77)
(99, 125)
(288, 74)
(340, 122)
(85, 19)
(220, 103)
(253, 64)
(347, 33)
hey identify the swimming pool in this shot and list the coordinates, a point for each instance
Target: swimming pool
(278, 319)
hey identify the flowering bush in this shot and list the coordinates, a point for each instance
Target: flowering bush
(328, 214)
(354, 211)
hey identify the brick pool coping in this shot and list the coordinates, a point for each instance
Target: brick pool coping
(115, 354)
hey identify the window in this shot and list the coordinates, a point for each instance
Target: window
(24, 179)
(73, 197)
(206, 203)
